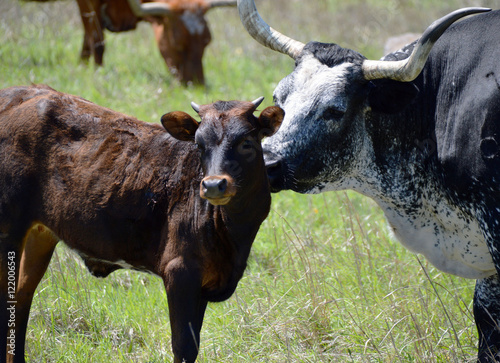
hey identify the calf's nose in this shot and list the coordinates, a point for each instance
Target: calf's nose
(218, 189)
(213, 187)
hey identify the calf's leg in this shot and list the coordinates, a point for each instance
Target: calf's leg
(487, 316)
(10, 255)
(38, 248)
(186, 308)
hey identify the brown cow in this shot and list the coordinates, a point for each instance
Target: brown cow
(180, 28)
(184, 204)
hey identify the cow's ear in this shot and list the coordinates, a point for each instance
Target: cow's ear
(387, 96)
(270, 120)
(180, 125)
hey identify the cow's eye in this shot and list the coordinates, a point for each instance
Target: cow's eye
(333, 114)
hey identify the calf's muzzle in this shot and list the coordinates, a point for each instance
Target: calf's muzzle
(218, 190)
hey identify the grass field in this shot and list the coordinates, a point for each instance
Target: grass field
(326, 281)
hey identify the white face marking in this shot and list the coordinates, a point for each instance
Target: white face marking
(315, 89)
(193, 22)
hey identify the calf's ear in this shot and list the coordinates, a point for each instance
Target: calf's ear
(270, 120)
(180, 125)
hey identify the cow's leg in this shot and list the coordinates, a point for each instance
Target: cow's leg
(487, 316)
(38, 248)
(487, 293)
(93, 39)
(86, 47)
(186, 309)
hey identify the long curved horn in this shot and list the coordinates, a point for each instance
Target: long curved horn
(149, 9)
(408, 69)
(264, 34)
(219, 3)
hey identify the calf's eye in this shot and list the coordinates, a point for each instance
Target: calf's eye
(246, 144)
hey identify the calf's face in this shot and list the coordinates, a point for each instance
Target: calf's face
(229, 139)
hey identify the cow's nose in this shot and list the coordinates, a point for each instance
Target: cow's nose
(275, 174)
(214, 187)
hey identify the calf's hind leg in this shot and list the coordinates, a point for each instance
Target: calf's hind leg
(487, 316)
(39, 244)
(10, 254)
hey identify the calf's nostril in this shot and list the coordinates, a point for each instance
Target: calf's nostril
(204, 186)
(222, 185)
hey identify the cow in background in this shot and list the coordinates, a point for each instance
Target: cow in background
(180, 29)
(183, 201)
(418, 132)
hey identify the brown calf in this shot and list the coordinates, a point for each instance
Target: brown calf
(184, 204)
(180, 28)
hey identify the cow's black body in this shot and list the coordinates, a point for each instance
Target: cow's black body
(455, 121)
(461, 104)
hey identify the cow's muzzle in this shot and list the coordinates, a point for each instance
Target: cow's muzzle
(218, 190)
(276, 171)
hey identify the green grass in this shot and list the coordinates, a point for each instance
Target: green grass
(326, 281)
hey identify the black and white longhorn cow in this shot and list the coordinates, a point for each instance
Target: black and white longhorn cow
(418, 132)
